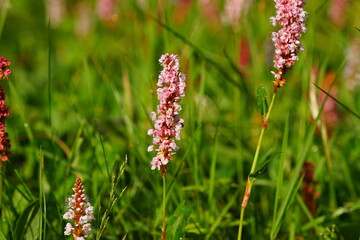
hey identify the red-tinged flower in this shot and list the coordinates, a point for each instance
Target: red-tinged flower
(309, 193)
(80, 213)
(4, 113)
(106, 9)
(4, 68)
(291, 16)
(337, 12)
(168, 122)
(210, 11)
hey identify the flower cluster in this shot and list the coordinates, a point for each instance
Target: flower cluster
(167, 120)
(79, 212)
(234, 9)
(4, 113)
(106, 9)
(309, 194)
(4, 68)
(291, 16)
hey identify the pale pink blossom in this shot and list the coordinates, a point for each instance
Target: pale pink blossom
(291, 16)
(352, 64)
(83, 21)
(337, 12)
(106, 9)
(55, 11)
(168, 122)
(233, 11)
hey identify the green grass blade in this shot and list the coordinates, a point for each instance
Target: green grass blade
(340, 103)
(4, 9)
(280, 174)
(213, 172)
(225, 210)
(42, 202)
(24, 223)
(294, 182)
(175, 228)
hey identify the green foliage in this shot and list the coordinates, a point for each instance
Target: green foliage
(262, 103)
(175, 229)
(260, 171)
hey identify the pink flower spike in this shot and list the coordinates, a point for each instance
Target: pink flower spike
(167, 121)
(291, 16)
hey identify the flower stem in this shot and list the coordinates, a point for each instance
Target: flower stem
(163, 231)
(250, 181)
(1, 194)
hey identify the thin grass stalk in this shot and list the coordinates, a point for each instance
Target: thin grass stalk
(163, 230)
(1, 194)
(250, 181)
(42, 202)
(115, 180)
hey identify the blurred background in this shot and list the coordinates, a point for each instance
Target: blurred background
(83, 84)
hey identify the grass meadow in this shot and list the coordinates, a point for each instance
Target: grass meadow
(83, 86)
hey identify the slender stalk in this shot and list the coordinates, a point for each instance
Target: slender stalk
(250, 181)
(163, 231)
(1, 194)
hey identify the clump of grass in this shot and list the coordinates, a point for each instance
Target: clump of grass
(114, 197)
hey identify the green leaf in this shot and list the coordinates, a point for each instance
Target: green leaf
(175, 229)
(265, 165)
(262, 103)
(26, 224)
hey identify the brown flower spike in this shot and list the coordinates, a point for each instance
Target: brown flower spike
(80, 212)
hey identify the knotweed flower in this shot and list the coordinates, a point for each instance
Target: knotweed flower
(309, 193)
(106, 9)
(167, 120)
(234, 9)
(55, 11)
(79, 213)
(4, 113)
(337, 12)
(291, 16)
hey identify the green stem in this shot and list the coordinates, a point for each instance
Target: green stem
(241, 222)
(163, 232)
(249, 182)
(1, 194)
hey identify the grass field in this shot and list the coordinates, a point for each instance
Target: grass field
(83, 85)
